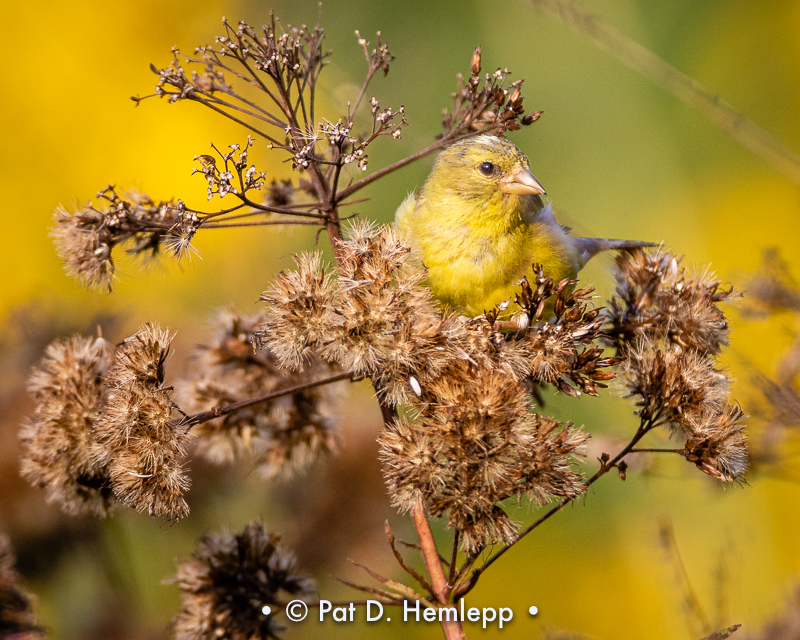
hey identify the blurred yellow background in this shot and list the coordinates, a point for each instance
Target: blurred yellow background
(619, 156)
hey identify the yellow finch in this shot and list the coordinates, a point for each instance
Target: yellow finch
(481, 221)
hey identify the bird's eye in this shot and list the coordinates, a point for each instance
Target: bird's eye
(486, 168)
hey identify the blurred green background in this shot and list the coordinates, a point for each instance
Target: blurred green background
(619, 156)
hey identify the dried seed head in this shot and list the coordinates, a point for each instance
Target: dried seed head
(233, 585)
(717, 443)
(561, 349)
(299, 311)
(139, 443)
(480, 104)
(281, 435)
(57, 444)
(17, 619)
(474, 444)
(673, 385)
(668, 329)
(656, 298)
(374, 319)
(84, 247)
(85, 239)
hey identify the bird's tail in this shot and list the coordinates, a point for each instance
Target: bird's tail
(587, 248)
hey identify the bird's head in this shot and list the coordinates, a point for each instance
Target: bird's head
(485, 170)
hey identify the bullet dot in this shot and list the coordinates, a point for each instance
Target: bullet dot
(533, 610)
(388, 619)
(266, 610)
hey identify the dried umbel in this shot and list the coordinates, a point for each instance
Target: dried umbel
(280, 435)
(140, 443)
(56, 441)
(668, 329)
(85, 239)
(285, 60)
(17, 619)
(233, 584)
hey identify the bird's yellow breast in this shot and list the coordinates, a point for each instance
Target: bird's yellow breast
(477, 252)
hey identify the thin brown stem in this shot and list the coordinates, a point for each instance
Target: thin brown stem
(449, 139)
(271, 120)
(284, 210)
(214, 214)
(216, 412)
(230, 116)
(391, 539)
(430, 553)
(453, 559)
(261, 223)
(364, 86)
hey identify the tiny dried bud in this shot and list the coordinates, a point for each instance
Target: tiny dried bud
(475, 67)
(532, 117)
(623, 468)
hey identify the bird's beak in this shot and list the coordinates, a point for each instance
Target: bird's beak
(522, 182)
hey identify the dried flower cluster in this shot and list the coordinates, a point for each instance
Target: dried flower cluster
(289, 63)
(102, 429)
(235, 176)
(281, 434)
(473, 441)
(141, 446)
(487, 106)
(85, 239)
(232, 586)
(373, 319)
(561, 347)
(56, 441)
(668, 329)
(17, 619)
